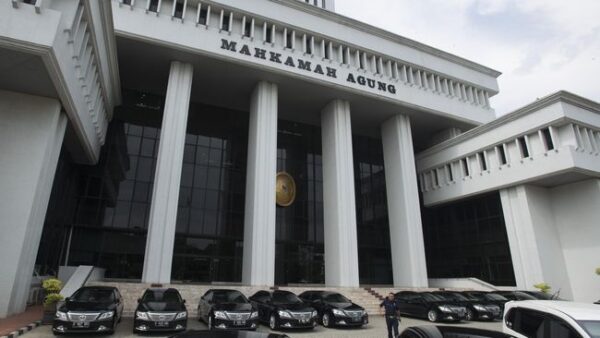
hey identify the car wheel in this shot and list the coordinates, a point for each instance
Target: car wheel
(470, 315)
(273, 322)
(210, 323)
(432, 315)
(326, 320)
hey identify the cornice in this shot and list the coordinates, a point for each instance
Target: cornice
(382, 33)
(560, 96)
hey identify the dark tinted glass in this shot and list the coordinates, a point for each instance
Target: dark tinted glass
(468, 239)
(299, 227)
(229, 297)
(336, 298)
(374, 259)
(285, 298)
(93, 296)
(160, 296)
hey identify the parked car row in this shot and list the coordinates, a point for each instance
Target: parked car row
(100, 309)
(456, 306)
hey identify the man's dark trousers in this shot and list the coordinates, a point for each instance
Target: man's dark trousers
(392, 324)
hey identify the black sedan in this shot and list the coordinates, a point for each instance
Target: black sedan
(160, 310)
(430, 306)
(449, 331)
(89, 309)
(514, 295)
(283, 309)
(542, 295)
(488, 297)
(477, 308)
(334, 309)
(227, 309)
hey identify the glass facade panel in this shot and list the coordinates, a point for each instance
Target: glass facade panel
(210, 220)
(299, 227)
(468, 239)
(374, 258)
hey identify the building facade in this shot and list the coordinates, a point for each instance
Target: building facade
(148, 137)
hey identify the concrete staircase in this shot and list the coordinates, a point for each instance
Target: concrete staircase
(192, 293)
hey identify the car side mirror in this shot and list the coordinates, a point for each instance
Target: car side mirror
(139, 300)
(67, 299)
(184, 301)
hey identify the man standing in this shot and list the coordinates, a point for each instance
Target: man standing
(392, 315)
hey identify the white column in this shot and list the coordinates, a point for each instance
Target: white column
(341, 248)
(533, 238)
(404, 212)
(165, 195)
(259, 220)
(31, 135)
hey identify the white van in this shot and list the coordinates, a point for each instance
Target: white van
(551, 319)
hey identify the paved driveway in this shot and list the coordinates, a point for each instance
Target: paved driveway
(375, 329)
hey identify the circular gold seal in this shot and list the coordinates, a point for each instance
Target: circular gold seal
(285, 189)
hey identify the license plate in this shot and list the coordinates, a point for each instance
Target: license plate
(80, 325)
(356, 320)
(304, 321)
(239, 323)
(161, 324)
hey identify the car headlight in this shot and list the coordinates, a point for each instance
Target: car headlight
(479, 307)
(181, 315)
(141, 315)
(254, 315)
(337, 312)
(61, 316)
(220, 315)
(315, 313)
(284, 314)
(106, 315)
(444, 308)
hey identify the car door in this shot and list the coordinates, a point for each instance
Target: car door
(260, 300)
(204, 307)
(120, 305)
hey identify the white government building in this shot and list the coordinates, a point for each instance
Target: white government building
(144, 137)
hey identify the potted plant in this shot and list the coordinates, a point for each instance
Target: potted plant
(52, 287)
(543, 287)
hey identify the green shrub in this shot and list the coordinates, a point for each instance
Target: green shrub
(52, 298)
(52, 285)
(543, 287)
(598, 271)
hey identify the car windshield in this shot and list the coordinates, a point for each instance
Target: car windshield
(162, 296)
(336, 298)
(524, 296)
(93, 296)
(229, 297)
(280, 297)
(592, 327)
(494, 296)
(430, 297)
(458, 297)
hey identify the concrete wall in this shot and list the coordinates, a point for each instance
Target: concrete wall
(577, 215)
(31, 134)
(554, 235)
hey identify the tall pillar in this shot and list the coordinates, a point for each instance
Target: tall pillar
(259, 221)
(165, 195)
(533, 238)
(31, 135)
(404, 211)
(341, 248)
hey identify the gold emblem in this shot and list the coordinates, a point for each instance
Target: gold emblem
(285, 189)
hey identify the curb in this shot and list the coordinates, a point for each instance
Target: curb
(23, 330)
